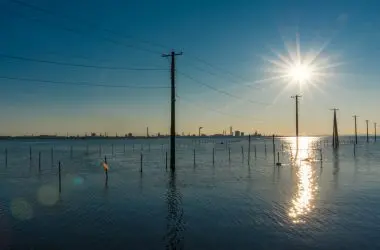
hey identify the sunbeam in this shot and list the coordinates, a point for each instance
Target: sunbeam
(310, 70)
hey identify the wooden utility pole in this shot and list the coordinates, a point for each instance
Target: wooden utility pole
(296, 98)
(172, 55)
(366, 121)
(356, 130)
(335, 131)
(375, 124)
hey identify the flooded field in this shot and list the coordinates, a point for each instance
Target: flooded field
(316, 199)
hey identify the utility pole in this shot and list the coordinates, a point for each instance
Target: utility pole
(296, 97)
(172, 55)
(366, 121)
(375, 124)
(356, 130)
(147, 131)
(335, 130)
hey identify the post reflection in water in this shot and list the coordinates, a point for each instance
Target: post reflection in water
(175, 225)
(303, 157)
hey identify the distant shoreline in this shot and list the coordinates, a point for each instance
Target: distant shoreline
(119, 137)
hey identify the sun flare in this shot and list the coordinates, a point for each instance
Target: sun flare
(301, 73)
(302, 69)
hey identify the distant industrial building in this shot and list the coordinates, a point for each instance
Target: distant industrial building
(241, 133)
(237, 133)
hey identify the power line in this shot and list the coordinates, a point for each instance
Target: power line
(218, 90)
(80, 83)
(78, 65)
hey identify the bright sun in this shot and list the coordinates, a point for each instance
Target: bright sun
(312, 69)
(300, 73)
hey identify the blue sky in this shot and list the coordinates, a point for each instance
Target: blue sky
(226, 45)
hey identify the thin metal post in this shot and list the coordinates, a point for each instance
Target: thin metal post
(242, 153)
(59, 177)
(249, 149)
(166, 160)
(229, 154)
(30, 153)
(194, 155)
(213, 156)
(141, 162)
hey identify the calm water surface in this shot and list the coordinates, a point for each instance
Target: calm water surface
(305, 203)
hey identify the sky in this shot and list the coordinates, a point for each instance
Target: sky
(70, 66)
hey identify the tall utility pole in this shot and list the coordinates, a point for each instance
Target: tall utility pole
(296, 97)
(356, 130)
(366, 121)
(199, 131)
(375, 124)
(335, 131)
(172, 55)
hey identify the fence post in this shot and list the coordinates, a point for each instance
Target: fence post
(213, 156)
(229, 154)
(274, 150)
(141, 162)
(242, 153)
(166, 160)
(59, 176)
(249, 149)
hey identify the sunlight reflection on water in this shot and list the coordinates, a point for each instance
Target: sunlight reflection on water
(306, 184)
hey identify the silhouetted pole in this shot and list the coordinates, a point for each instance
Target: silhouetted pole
(249, 149)
(30, 153)
(59, 176)
(242, 153)
(375, 130)
(229, 154)
(296, 98)
(274, 150)
(194, 155)
(356, 130)
(166, 160)
(335, 130)
(213, 156)
(141, 162)
(367, 131)
(172, 110)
